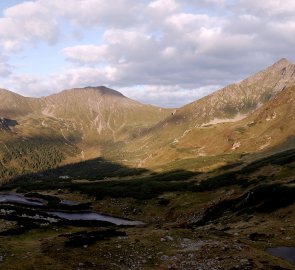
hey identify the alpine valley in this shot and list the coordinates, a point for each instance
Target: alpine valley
(209, 185)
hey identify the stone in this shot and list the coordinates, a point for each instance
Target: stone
(164, 257)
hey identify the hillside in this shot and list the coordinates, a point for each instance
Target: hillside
(14, 105)
(79, 124)
(100, 114)
(217, 124)
(73, 125)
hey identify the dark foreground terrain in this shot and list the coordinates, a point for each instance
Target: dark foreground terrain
(223, 219)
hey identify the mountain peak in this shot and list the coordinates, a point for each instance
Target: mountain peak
(5, 92)
(283, 62)
(103, 90)
(89, 91)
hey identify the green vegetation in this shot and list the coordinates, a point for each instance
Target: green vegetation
(211, 198)
(231, 207)
(266, 96)
(197, 163)
(20, 157)
(143, 187)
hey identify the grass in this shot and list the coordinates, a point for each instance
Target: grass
(146, 187)
(195, 164)
(165, 201)
(143, 188)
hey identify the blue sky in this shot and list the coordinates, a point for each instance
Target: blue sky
(163, 52)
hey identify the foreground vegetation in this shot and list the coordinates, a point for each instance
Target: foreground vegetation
(192, 219)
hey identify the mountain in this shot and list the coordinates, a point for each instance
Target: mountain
(207, 126)
(68, 126)
(14, 105)
(238, 100)
(100, 114)
(254, 115)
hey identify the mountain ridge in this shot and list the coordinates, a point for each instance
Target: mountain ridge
(73, 125)
(182, 133)
(97, 121)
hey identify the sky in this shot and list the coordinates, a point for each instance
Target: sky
(162, 52)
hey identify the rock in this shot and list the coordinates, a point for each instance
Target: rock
(169, 238)
(164, 257)
(244, 261)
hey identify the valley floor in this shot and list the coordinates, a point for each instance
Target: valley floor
(225, 219)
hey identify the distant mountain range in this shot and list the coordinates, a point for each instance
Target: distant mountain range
(255, 115)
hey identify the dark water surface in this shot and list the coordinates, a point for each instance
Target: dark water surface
(12, 198)
(95, 216)
(286, 253)
(17, 198)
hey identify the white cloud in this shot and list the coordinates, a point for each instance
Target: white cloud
(27, 21)
(169, 52)
(86, 54)
(165, 46)
(185, 21)
(268, 7)
(170, 96)
(42, 19)
(163, 7)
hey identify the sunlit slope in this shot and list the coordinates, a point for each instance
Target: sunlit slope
(14, 105)
(70, 126)
(100, 114)
(222, 122)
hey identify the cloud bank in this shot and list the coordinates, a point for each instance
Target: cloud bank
(165, 52)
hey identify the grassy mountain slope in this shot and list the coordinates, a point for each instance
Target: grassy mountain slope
(250, 116)
(100, 114)
(37, 134)
(208, 127)
(14, 105)
(242, 98)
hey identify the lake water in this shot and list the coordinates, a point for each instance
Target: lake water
(75, 215)
(67, 202)
(17, 198)
(95, 216)
(286, 253)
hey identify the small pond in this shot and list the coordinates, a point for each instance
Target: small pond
(17, 198)
(95, 216)
(286, 253)
(74, 215)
